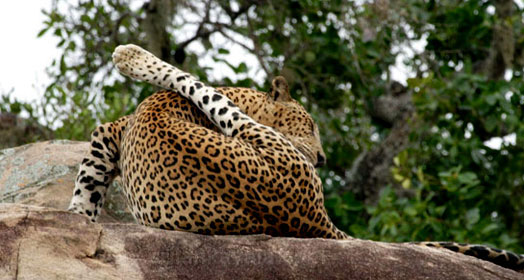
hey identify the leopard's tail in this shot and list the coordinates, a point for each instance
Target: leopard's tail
(499, 257)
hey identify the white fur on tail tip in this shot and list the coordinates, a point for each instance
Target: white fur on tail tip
(135, 62)
(132, 60)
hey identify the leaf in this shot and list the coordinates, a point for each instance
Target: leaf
(440, 210)
(63, 66)
(490, 228)
(373, 53)
(16, 107)
(310, 56)
(420, 175)
(472, 217)
(406, 184)
(85, 18)
(58, 32)
(223, 51)
(42, 32)
(410, 211)
(398, 177)
(491, 99)
(242, 68)
(468, 178)
(396, 161)
(491, 123)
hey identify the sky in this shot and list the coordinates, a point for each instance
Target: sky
(23, 57)
(23, 60)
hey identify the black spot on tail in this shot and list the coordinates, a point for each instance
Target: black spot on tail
(222, 111)
(236, 116)
(216, 97)
(513, 258)
(481, 251)
(470, 253)
(450, 246)
(95, 197)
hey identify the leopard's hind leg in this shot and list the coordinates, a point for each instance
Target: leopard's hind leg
(98, 169)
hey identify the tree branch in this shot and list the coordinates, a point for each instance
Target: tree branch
(257, 50)
(501, 53)
(158, 16)
(371, 171)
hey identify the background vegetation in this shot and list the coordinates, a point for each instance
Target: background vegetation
(405, 162)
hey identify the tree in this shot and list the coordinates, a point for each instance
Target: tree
(405, 162)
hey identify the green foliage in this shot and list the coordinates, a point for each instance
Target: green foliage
(337, 57)
(9, 104)
(450, 206)
(86, 90)
(457, 187)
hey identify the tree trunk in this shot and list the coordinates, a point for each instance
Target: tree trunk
(159, 14)
(371, 171)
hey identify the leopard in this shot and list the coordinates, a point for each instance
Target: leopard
(218, 161)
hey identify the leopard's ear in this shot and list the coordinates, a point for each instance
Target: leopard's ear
(279, 90)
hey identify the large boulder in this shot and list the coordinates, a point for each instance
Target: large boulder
(43, 241)
(43, 174)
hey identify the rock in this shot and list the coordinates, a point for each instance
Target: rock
(43, 241)
(44, 173)
(46, 243)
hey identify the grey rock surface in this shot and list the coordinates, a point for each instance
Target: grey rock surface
(43, 174)
(40, 240)
(46, 243)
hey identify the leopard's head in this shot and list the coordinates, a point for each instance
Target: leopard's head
(291, 119)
